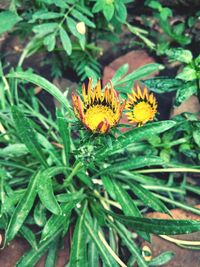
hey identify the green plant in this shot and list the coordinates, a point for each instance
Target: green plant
(186, 82)
(57, 175)
(68, 29)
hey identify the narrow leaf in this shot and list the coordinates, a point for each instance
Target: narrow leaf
(22, 210)
(148, 198)
(45, 185)
(27, 134)
(43, 83)
(66, 42)
(78, 249)
(158, 226)
(136, 135)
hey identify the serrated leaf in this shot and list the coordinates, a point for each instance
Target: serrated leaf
(66, 42)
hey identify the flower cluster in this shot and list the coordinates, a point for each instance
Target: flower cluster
(101, 110)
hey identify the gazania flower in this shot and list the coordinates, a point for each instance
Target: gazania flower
(98, 111)
(141, 106)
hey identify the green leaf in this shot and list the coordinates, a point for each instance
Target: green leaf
(184, 92)
(68, 197)
(78, 248)
(126, 202)
(44, 29)
(13, 150)
(64, 131)
(196, 137)
(128, 241)
(148, 198)
(108, 184)
(44, 14)
(7, 20)
(82, 18)
(108, 11)
(163, 258)
(141, 178)
(66, 42)
(32, 256)
(128, 206)
(40, 214)
(43, 83)
(158, 226)
(131, 164)
(52, 253)
(27, 135)
(140, 73)
(45, 185)
(93, 257)
(135, 135)
(187, 74)
(50, 41)
(120, 73)
(181, 39)
(180, 54)
(22, 210)
(106, 257)
(57, 222)
(71, 23)
(29, 236)
(121, 12)
(98, 6)
(162, 85)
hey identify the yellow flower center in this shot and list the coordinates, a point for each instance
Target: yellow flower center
(143, 112)
(98, 113)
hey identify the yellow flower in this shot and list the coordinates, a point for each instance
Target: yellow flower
(141, 106)
(98, 111)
